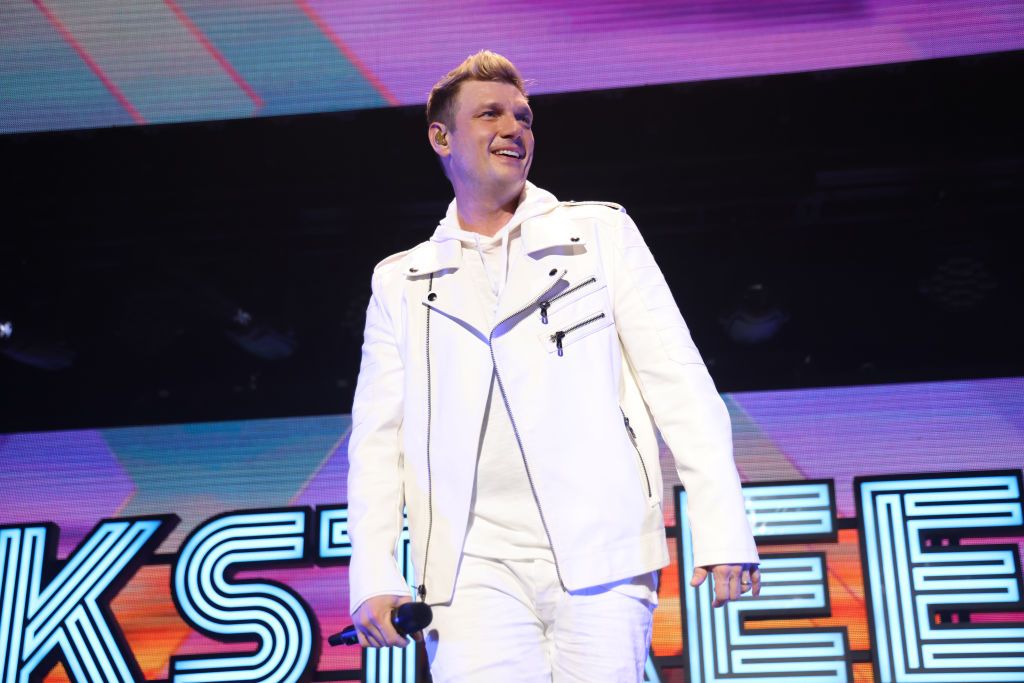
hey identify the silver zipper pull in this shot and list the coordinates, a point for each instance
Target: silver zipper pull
(629, 428)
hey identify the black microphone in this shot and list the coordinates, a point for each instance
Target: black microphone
(406, 618)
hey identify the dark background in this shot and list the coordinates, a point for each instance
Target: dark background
(856, 226)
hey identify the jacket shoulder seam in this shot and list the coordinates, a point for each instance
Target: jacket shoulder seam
(608, 214)
(610, 205)
(390, 262)
(387, 261)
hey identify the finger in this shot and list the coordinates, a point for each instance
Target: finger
(745, 583)
(418, 636)
(377, 633)
(721, 588)
(395, 639)
(389, 635)
(731, 580)
(367, 638)
(755, 581)
(373, 639)
(364, 632)
(732, 583)
(699, 576)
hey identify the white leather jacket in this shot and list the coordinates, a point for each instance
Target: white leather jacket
(590, 351)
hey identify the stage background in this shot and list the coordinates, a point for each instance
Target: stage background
(95, 63)
(833, 189)
(75, 478)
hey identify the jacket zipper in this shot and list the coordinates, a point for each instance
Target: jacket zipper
(557, 337)
(421, 590)
(636, 447)
(519, 441)
(546, 303)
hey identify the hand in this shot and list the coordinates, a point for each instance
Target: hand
(731, 581)
(373, 622)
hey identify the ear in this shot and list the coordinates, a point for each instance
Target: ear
(437, 134)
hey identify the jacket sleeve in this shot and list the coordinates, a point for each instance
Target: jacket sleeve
(683, 400)
(375, 493)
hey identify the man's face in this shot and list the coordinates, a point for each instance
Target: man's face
(490, 148)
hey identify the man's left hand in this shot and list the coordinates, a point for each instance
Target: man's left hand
(731, 581)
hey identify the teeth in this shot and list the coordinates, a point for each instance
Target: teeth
(507, 153)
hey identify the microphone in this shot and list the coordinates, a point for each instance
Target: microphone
(406, 618)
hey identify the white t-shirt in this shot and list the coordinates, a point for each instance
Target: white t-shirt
(504, 517)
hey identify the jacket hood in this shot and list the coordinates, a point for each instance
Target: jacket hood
(535, 202)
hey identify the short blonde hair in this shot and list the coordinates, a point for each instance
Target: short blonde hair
(483, 66)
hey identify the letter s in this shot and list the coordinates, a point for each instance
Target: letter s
(237, 610)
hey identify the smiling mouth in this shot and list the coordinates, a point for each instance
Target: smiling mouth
(511, 154)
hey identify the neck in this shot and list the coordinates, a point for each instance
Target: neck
(486, 215)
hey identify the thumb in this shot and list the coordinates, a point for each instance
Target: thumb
(699, 574)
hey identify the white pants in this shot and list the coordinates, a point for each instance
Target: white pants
(510, 621)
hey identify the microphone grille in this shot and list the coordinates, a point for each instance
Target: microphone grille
(412, 617)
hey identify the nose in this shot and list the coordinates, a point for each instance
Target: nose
(511, 127)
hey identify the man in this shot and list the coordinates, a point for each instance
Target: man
(512, 366)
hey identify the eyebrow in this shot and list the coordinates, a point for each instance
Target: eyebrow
(498, 105)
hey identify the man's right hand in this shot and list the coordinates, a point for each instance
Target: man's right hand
(373, 622)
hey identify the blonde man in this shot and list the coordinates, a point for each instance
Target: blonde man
(512, 367)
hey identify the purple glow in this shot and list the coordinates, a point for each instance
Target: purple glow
(98, 489)
(569, 46)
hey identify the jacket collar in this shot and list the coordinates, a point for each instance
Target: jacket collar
(543, 232)
(534, 216)
(431, 257)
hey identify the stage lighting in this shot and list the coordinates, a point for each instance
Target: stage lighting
(44, 354)
(242, 317)
(259, 339)
(757, 318)
(959, 283)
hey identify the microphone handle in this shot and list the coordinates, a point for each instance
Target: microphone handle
(406, 618)
(347, 637)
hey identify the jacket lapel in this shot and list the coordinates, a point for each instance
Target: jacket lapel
(544, 233)
(532, 275)
(528, 279)
(452, 292)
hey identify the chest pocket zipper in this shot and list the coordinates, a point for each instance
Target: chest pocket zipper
(557, 337)
(636, 447)
(546, 303)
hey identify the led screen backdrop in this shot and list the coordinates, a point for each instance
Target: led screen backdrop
(93, 63)
(888, 518)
